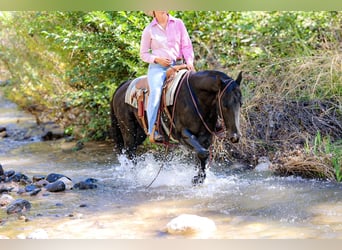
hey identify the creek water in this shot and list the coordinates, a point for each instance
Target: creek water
(246, 204)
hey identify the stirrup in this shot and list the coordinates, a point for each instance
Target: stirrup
(155, 137)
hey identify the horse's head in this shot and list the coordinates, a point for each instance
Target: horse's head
(230, 101)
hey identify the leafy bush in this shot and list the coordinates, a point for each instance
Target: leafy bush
(70, 63)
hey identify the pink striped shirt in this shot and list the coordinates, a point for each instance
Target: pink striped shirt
(173, 42)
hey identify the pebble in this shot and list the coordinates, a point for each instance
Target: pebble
(3, 134)
(30, 188)
(37, 178)
(5, 199)
(35, 192)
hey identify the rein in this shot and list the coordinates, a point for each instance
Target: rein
(220, 94)
(171, 125)
(228, 87)
(219, 97)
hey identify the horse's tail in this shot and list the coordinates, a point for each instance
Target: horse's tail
(115, 131)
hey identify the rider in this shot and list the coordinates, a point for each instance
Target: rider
(164, 41)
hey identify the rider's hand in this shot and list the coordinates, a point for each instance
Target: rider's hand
(165, 62)
(190, 66)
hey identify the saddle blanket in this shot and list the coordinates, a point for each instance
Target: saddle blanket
(136, 88)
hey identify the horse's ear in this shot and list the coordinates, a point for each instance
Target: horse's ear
(239, 78)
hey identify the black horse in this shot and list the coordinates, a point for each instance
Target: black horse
(203, 98)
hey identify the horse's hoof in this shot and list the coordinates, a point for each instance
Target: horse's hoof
(198, 179)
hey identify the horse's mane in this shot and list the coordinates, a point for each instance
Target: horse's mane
(122, 84)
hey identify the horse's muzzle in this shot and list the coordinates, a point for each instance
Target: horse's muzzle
(234, 138)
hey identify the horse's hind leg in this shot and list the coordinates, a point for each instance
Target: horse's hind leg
(202, 154)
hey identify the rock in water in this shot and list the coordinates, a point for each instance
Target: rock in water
(18, 206)
(67, 182)
(87, 184)
(54, 177)
(263, 164)
(56, 186)
(61, 184)
(5, 199)
(191, 224)
(2, 172)
(37, 178)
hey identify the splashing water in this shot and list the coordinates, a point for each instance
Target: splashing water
(242, 205)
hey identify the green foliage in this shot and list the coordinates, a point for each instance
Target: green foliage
(325, 148)
(77, 59)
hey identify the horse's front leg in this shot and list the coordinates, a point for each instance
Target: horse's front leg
(202, 154)
(129, 137)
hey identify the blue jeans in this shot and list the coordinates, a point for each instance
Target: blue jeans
(156, 75)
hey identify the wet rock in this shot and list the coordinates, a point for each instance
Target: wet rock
(2, 172)
(50, 136)
(83, 185)
(191, 224)
(9, 173)
(54, 177)
(30, 188)
(56, 186)
(21, 191)
(3, 134)
(263, 164)
(5, 199)
(79, 145)
(87, 184)
(67, 182)
(19, 177)
(18, 206)
(91, 180)
(37, 178)
(5, 189)
(35, 192)
(61, 184)
(41, 183)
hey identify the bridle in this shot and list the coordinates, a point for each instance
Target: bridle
(229, 87)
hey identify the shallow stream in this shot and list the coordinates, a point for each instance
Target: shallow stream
(246, 204)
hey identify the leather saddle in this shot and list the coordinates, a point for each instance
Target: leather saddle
(138, 91)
